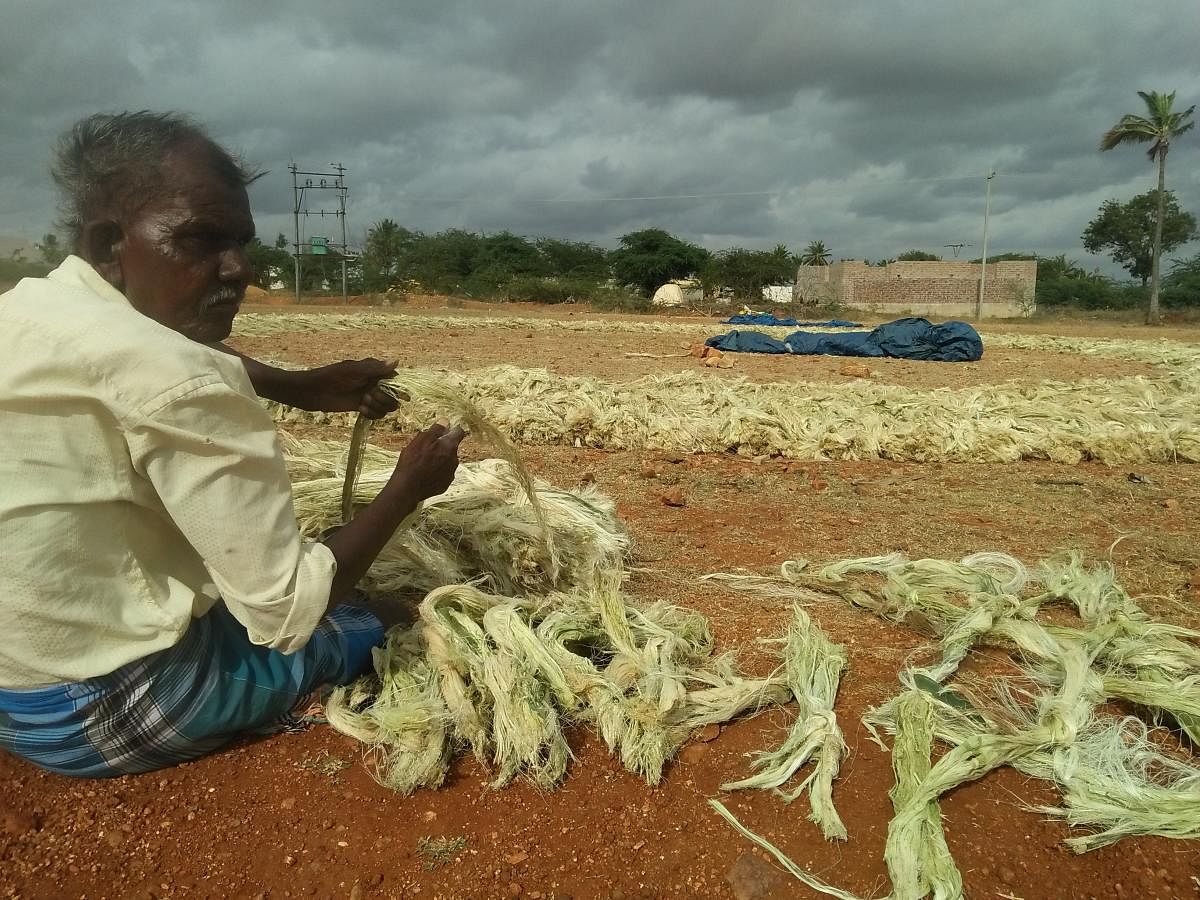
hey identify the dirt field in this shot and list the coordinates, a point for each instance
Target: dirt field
(295, 815)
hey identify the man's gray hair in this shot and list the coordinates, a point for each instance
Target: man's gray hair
(115, 159)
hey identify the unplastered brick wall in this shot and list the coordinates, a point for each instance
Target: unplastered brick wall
(1008, 289)
(815, 284)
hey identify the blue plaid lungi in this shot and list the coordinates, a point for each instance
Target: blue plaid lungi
(182, 702)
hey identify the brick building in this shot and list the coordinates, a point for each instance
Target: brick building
(944, 289)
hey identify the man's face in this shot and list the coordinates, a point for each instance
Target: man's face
(181, 256)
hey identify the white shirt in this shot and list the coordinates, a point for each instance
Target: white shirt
(140, 480)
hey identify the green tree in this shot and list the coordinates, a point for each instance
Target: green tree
(918, 256)
(574, 259)
(385, 254)
(271, 264)
(505, 256)
(650, 258)
(1063, 282)
(1135, 232)
(51, 251)
(1157, 128)
(815, 254)
(1181, 286)
(323, 274)
(747, 272)
(446, 259)
(1058, 267)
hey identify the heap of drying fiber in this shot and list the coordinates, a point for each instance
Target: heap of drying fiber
(1045, 721)
(1116, 421)
(504, 676)
(522, 632)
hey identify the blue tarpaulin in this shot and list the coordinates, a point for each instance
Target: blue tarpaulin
(903, 339)
(768, 319)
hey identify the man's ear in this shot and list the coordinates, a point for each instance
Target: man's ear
(100, 244)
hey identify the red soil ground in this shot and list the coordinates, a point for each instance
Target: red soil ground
(296, 815)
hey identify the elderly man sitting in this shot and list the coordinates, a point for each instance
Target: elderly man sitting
(156, 597)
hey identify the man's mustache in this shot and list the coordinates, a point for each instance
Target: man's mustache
(222, 296)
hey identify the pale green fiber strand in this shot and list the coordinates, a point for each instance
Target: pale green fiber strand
(812, 881)
(813, 666)
(918, 860)
(400, 717)
(511, 674)
(1051, 731)
(1126, 786)
(722, 702)
(1062, 715)
(1155, 690)
(434, 392)
(354, 464)
(526, 695)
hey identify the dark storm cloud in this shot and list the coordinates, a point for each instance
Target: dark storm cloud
(869, 128)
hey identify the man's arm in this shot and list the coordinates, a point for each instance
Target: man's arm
(215, 464)
(425, 469)
(347, 386)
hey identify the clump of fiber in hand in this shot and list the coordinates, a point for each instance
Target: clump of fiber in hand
(520, 537)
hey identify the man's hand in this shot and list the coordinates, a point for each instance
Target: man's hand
(427, 465)
(350, 386)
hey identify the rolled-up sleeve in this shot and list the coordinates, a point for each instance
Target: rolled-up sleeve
(213, 458)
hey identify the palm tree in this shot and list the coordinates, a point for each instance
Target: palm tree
(1158, 128)
(815, 254)
(383, 255)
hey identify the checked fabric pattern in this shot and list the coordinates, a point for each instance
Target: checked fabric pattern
(183, 702)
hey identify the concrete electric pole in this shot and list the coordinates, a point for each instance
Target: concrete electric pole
(987, 211)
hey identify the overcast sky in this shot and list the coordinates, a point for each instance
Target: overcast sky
(867, 125)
